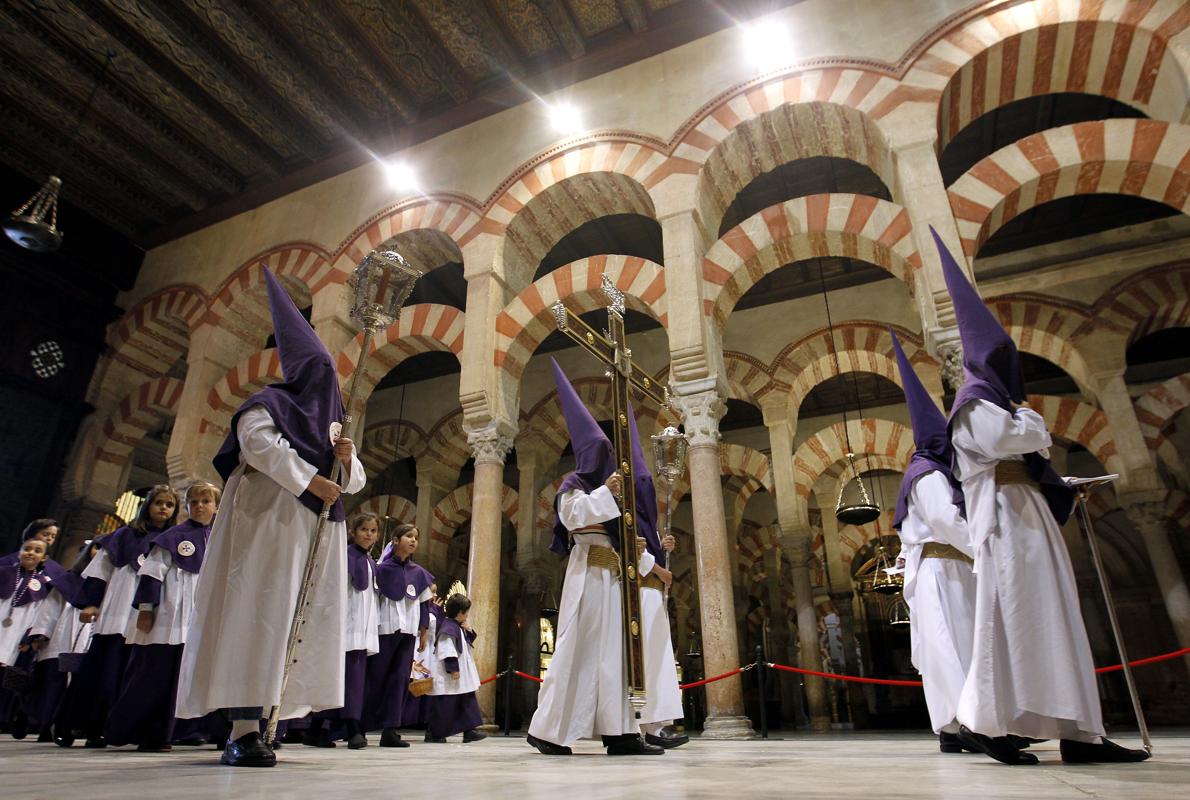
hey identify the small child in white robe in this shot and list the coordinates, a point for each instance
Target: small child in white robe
(453, 706)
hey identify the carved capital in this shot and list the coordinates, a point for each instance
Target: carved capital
(489, 444)
(951, 355)
(1148, 516)
(701, 413)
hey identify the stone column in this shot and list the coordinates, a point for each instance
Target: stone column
(701, 413)
(797, 545)
(778, 649)
(1150, 519)
(78, 524)
(430, 485)
(529, 656)
(845, 606)
(489, 445)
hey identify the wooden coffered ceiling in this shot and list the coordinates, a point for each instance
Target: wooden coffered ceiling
(210, 107)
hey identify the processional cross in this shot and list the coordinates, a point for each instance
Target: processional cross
(611, 349)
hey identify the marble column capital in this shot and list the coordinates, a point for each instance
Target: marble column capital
(951, 355)
(489, 444)
(701, 412)
(1149, 516)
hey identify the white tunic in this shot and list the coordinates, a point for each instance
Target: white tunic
(23, 618)
(248, 587)
(940, 593)
(1031, 669)
(401, 616)
(663, 698)
(583, 692)
(363, 618)
(65, 632)
(116, 607)
(468, 680)
(175, 610)
(427, 656)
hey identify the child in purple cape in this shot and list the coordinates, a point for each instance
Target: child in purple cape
(453, 707)
(362, 638)
(164, 600)
(404, 618)
(44, 529)
(105, 599)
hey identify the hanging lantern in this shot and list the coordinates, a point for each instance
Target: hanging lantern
(549, 605)
(900, 611)
(382, 283)
(885, 580)
(34, 226)
(855, 507)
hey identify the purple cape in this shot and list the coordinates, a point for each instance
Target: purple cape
(395, 578)
(304, 406)
(8, 585)
(126, 545)
(189, 531)
(593, 459)
(993, 371)
(360, 567)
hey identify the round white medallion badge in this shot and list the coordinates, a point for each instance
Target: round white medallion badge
(411, 590)
(185, 548)
(140, 560)
(34, 585)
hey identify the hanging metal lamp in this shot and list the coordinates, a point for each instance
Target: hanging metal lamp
(855, 507)
(885, 581)
(900, 611)
(34, 224)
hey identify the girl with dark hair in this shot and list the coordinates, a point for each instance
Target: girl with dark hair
(453, 707)
(404, 618)
(44, 529)
(105, 598)
(361, 641)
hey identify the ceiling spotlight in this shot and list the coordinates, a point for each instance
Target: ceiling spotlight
(768, 45)
(399, 175)
(566, 118)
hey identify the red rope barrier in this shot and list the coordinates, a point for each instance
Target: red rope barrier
(489, 680)
(1141, 662)
(527, 675)
(849, 678)
(705, 681)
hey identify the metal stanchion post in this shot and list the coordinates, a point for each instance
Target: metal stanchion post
(764, 710)
(508, 676)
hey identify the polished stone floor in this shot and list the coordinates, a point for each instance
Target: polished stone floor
(859, 765)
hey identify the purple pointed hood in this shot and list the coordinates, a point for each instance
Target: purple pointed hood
(594, 459)
(646, 492)
(931, 441)
(305, 405)
(992, 367)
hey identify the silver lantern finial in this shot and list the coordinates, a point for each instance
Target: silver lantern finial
(382, 283)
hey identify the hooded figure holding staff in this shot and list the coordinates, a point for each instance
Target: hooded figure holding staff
(276, 461)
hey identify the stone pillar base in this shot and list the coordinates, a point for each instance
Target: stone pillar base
(820, 724)
(728, 728)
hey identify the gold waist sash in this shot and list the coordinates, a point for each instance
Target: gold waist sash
(1013, 472)
(939, 550)
(651, 581)
(605, 558)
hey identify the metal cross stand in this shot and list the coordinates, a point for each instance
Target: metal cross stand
(381, 285)
(1082, 487)
(611, 348)
(669, 462)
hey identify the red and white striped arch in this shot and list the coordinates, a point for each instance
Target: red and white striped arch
(1047, 328)
(855, 226)
(545, 425)
(1142, 158)
(528, 319)
(455, 509)
(422, 328)
(387, 442)
(137, 414)
(745, 462)
(749, 379)
(1157, 408)
(251, 374)
(788, 132)
(828, 447)
(1075, 421)
(240, 304)
(456, 216)
(155, 333)
(390, 505)
(1144, 303)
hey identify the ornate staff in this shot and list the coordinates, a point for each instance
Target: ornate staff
(381, 285)
(669, 462)
(1083, 487)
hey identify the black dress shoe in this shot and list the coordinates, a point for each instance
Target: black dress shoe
(997, 747)
(667, 738)
(1105, 752)
(473, 736)
(95, 743)
(633, 745)
(357, 741)
(949, 743)
(63, 737)
(390, 738)
(435, 739)
(318, 738)
(548, 748)
(292, 736)
(46, 735)
(248, 751)
(19, 726)
(1023, 742)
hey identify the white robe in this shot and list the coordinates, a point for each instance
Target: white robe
(427, 657)
(583, 691)
(468, 680)
(363, 618)
(1031, 669)
(61, 625)
(172, 616)
(23, 619)
(940, 593)
(116, 607)
(663, 698)
(248, 587)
